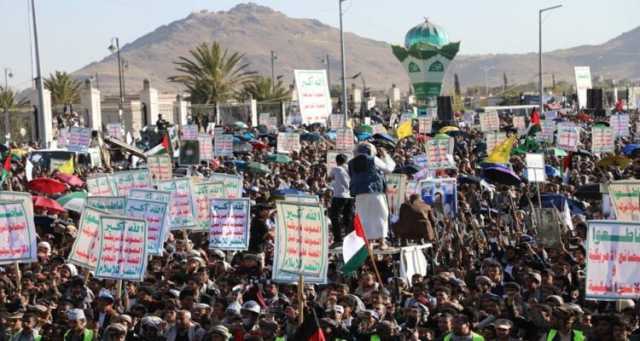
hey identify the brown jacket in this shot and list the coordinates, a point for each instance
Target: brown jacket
(415, 221)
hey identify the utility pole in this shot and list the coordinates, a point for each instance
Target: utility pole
(7, 74)
(344, 67)
(540, 87)
(39, 83)
(328, 62)
(273, 69)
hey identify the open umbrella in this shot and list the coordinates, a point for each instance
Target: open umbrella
(631, 149)
(501, 175)
(589, 192)
(45, 203)
(279, 158)
(282, 193)
(557, 152)
(242, 148)
(615, 160)
(71, 180)
(257, 168)
(551, 171)
(47, 186)
(364, 128)
(468, 179)
(448, 129)
(240, 125)
(73, 201)
(311, 137)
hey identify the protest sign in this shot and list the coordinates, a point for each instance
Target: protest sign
(84, 251)
(264, 119)
(126, 180)
(494, 139)
(313, 95)
(438, 156)
(519, 124)
(189, 132)
(25, 198)
(602, 139)
(229, 228)
(625, 197)
(232, 184)
(550, 227)
(301, 245)
(535, 167)
(150, 194)
(63, 137)
(206, 147)
(469, 119)
(288, 142)
(489, 121)
(203, 192)
(114, 130)
(613, 259)
(154, 213)
(302, 198)
(79, 139)
(114, 205)
(620, 124)
(17, 234)
(189, 153)
(550, 115)
(425, 124)
(223, 145)
(441, 192)
(336, 121)
(412, 262)
(344, 139)
(160, 167)
(100, 185)
(547, 130)
(396, 191)
(331, 158)
(182, 214)
(568, 137)
(123, 249)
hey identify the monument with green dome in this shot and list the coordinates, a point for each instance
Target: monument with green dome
(426, 54)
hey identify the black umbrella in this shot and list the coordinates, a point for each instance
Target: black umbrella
(589, 192)
(501, 175)
(468, 179)
(409, 169)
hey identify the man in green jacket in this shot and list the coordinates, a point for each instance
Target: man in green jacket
(563, 321)
(462, 330)
(78, 324)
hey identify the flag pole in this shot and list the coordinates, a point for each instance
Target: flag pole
(370, 252)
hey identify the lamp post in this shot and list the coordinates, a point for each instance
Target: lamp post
(540, 87)
(274, 57)
(344, 67)
(115, 48)
(327, 61)
(7, 74)
(40, 118)
(486, 78)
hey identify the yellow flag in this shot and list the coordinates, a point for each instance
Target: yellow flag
(405, 129)
(501, 152)
(67, 167)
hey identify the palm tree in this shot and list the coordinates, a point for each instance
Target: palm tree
(263, 89)
(64, 89)
(7, 99)
(212, 74)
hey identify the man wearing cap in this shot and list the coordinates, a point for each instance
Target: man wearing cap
(116, 332)
(77, 323)
(27, 333)
(218, 333)
(562, 322)
(503, 329)
(104, 311)
(462, 330)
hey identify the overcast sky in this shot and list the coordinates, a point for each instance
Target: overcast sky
(74, 33)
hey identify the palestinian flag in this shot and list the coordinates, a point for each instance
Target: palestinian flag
(354, 248)
(163, 148)
(310, 329)
(6, 168)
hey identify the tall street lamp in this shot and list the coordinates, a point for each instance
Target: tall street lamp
(540, 88)
(7, 74)
(344, 67)
(274, 57)
(486, 78)
(115, 48)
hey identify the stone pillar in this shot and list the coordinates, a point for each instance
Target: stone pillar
(45, 134)
(394, 94)
(254, 112)
(283, 113)
(90, 100)
(181, 111)
(149, 97)
(615, 96)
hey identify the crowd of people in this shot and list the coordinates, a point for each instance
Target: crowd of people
(488, 277)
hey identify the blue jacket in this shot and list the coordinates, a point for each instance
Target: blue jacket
(365, 176)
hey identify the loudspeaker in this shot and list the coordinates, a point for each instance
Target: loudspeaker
(594, 99)
(445, 109)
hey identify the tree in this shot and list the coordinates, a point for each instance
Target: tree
(212, 74)
(505, 81)
(7, 99)
(456, 84)
(64, 89)
(262, 89)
